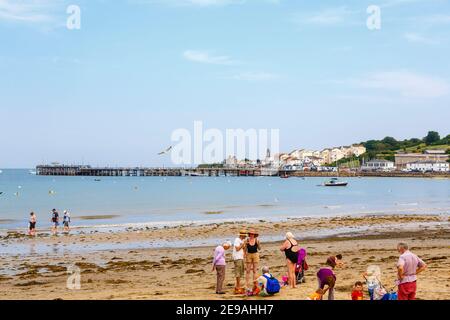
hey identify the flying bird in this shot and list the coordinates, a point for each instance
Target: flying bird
(165, 151)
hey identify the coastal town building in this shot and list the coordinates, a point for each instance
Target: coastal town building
(357, 150)
(428, 166)
(314, 158)
(402, 159)
(378, 165)
(231, 162)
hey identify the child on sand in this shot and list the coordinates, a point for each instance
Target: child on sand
(357, 293)
(266, 285)
(339, 261)
(316, 295)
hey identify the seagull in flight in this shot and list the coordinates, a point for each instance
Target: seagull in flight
(165, 151)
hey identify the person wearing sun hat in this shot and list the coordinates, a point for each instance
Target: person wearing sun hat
(238, 259)
(252, 248)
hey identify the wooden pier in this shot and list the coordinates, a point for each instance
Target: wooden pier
(63, 170)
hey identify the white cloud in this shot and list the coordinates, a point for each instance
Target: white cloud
(205, 3)
(330, 16)
(404, 83)
(436, 19)
(207, 58)
(418, 38)
(395, 3)
(255, 76)
(30, 11)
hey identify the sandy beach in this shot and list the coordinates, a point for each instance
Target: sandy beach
(184, 272)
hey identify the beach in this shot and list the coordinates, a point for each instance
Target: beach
(175, 262)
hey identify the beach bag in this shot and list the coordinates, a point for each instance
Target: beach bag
(273, 285)
(390, 296)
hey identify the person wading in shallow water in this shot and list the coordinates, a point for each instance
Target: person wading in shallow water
(252, 247)
(219, 264)
(32, 222)
(66, 221)
(55, 221)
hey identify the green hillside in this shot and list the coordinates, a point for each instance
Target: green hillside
(389, 146)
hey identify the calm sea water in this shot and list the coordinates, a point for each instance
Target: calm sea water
(156, 200)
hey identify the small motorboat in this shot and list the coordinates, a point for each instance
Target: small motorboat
(335, 182)
(284, 176)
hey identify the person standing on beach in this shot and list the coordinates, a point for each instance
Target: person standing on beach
(291, 249)
(32, 224)
(408, 267)
(252, 247)
(66, 221)
(219, 265)
(326, 277)
(55, 221)
(238, 259)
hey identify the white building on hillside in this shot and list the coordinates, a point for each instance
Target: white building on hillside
(378, 165)
(428, 166)
(358, 150)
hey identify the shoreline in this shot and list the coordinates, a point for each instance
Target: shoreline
(404, 209)
(207, 233)
(174, 273)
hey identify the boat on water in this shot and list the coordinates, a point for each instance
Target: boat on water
(32, 172)
(335, 182)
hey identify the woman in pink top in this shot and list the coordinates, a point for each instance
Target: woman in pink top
(219, 264)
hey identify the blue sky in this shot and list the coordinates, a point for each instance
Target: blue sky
(112, 92)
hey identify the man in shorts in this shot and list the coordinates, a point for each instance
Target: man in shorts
(238, 259)
(55, 221)
(408, 267)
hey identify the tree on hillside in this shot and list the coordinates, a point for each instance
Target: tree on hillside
(446, 140)
(432, 137)
(391, 142)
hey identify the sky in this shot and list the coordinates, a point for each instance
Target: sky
(113, 91)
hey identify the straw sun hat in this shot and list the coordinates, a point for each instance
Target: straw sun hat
(254, 232)
(243, 232)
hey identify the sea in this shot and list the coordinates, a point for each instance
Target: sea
(124, 202)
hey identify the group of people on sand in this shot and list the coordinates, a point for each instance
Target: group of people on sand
(246, 258)
(246, 248)
(55, 220)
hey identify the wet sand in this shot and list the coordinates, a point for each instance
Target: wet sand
(185, 273)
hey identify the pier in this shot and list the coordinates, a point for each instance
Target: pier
(63, 170)
(75, 170)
